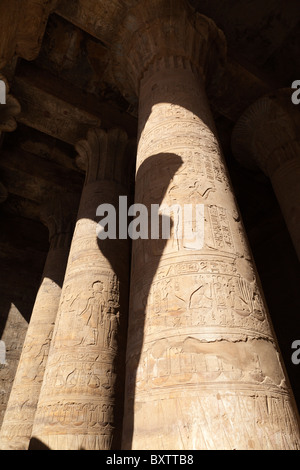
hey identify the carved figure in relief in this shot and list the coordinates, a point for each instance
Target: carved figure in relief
(110, 380)
(258, 307)
(202, 297)
(114, 290)
(92, 313)
(193, 191)
(69, 303)
(160, 295)
(111, 324)
(31, 371)
(69, 298)
(239, 296)
(220, 288)
(93, 379)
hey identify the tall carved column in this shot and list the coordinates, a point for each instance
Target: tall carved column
(203, 367)
(81, 401)
(59, 216)
(267, 137)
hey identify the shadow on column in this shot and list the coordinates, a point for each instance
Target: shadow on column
(143, 247)
(36, 444)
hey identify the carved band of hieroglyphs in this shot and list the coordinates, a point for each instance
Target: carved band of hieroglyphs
(260, 412)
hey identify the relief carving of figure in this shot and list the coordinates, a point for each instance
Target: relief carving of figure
(202, 296)
(92, 315)
(238, 294)
(111, 324)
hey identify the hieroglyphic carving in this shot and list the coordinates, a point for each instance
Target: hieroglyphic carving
(58, 214)
(198, 327)
(209, 294)
(196, 361)
(82, 391)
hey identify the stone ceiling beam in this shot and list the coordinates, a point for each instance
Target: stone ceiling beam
(99, 18)
(61, 110)
(51, 115)
(31, 177)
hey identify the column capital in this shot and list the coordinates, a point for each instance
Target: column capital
(105, 156)
(22, 29)
(32, 26)
(3, 193)
(58, 214)
(8, 111)
(166, 34)
(266, 135)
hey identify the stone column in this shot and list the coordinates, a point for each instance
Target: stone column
(203, 366)
(267, 137)
(59, 216)
(81, 401)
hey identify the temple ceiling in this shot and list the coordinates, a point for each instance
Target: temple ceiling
(67, 86)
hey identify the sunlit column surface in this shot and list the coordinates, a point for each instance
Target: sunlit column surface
(203, 367)
(81, 401)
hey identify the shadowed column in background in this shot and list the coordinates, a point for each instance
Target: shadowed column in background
(59, 215)
(267, 137)
(81, 401)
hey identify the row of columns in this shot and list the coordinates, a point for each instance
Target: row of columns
(58, 216)
(202, 368)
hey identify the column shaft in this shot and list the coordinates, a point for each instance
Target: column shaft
(266, 137)
(203, 366)
(81, 401)
(19, 416)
